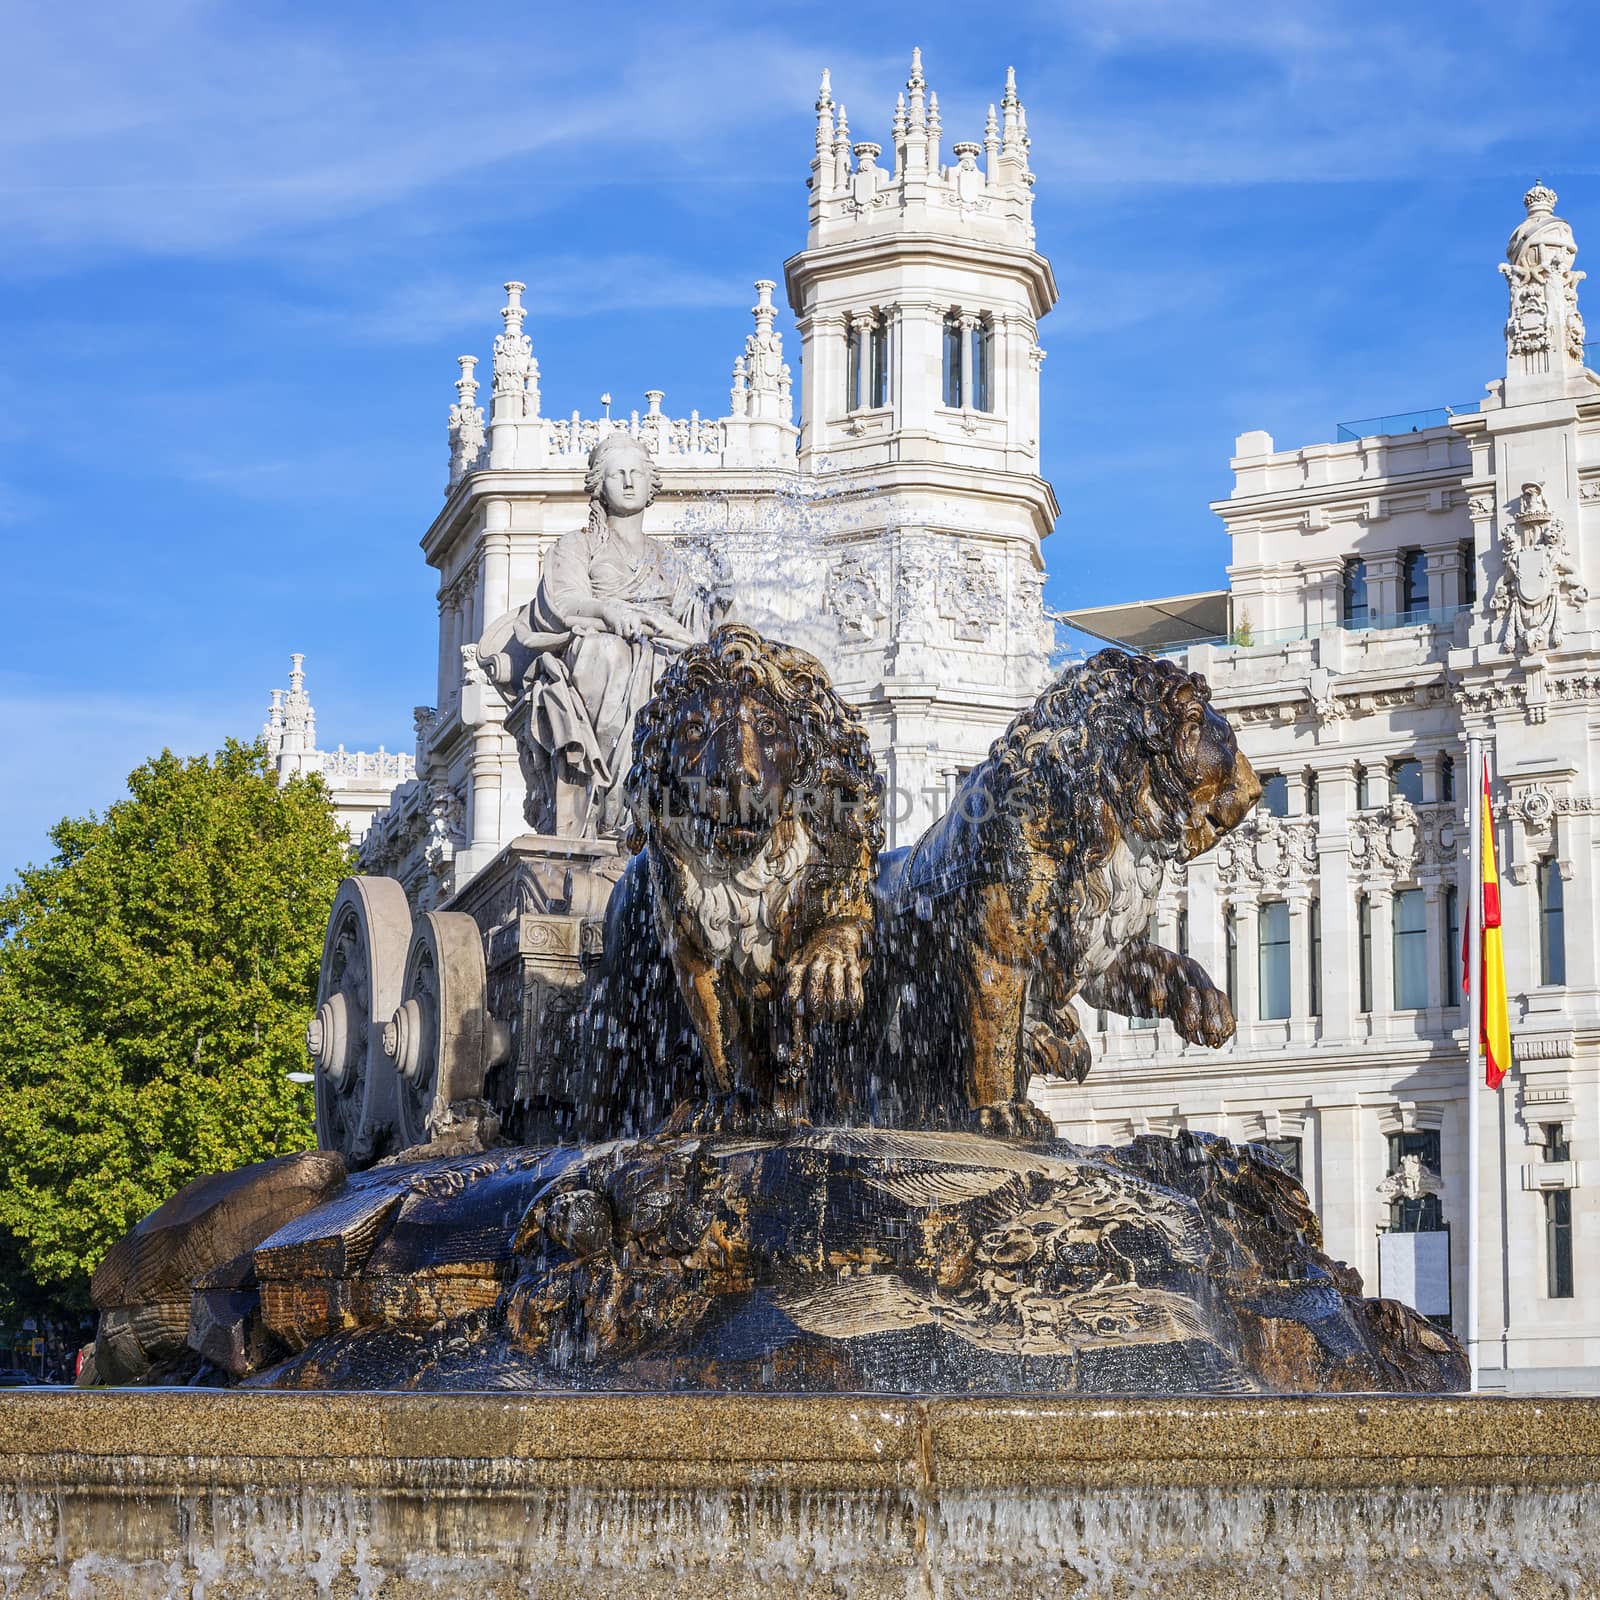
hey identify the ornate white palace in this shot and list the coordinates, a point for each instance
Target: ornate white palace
(1422, 578)
(1419, 579)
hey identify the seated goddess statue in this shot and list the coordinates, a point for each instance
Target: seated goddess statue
(581, 658)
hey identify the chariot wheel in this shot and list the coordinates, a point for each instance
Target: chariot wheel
(441, 1038)
(363, 962)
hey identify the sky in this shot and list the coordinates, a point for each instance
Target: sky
(244, 244)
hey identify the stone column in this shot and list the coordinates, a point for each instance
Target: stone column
(1300, 1024)
(1446, 578)
(1336, 893)
(1383, 585)
(1249, 955)
(484, 794)
(1344, 1177)
(495, 569)
(1382, 913)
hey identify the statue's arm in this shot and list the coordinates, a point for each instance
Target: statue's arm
(1146, 980)
(566, 591)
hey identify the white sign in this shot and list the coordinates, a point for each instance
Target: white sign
(1415, 1268)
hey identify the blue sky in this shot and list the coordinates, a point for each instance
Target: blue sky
(245, 243)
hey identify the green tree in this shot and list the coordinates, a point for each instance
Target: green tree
(155, 980)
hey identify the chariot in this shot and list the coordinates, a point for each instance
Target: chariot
(445, 1027)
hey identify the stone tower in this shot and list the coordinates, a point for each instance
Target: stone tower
(917, 299)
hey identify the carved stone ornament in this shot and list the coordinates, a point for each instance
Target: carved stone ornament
(1543, 318)
(1411, 1181)
(971, 595)
(854, 599)
(1394, 841)
(1269, 851)
(1538, 577)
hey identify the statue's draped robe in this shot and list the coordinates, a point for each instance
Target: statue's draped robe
(587, 684)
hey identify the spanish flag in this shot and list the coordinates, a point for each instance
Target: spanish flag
(1494, 1015)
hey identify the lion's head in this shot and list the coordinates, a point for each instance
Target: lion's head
(1130, 742)
(745, 737)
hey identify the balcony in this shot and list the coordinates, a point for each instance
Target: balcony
(1402, 422)
(1245, 637)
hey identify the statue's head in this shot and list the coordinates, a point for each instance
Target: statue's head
(622, 474)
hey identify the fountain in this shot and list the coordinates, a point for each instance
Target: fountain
(682, 1223)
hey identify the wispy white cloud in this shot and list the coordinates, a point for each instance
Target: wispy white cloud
(204, 127)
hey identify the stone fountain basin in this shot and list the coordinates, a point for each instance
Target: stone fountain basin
(395, 1496)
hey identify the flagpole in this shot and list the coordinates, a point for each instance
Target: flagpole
(1475, 781)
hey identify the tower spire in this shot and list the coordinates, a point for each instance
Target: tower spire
(825, 115)
(898, 132)
(935, 129)
(1010, 105)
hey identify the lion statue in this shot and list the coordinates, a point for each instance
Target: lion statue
(1039, 884)
(756, 820)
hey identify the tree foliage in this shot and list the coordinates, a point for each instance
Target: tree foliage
(155, 980)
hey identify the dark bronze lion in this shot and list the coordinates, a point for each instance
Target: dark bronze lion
(756, 821)
(1039, 884)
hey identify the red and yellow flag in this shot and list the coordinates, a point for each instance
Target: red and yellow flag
(1494, 1014)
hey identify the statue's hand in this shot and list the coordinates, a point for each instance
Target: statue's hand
(661, 625)
(824, 979)
(628, 622)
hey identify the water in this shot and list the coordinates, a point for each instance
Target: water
(435, 1535)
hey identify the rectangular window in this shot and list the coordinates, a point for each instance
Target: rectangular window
(1313, 799)
(1552, 927)
(1556, 1145)
(852, 368)
(1451, 988)
(1275, 794)
(1469, 572)
(980, 368)
(1414, 583)
(1230, 943)
(1314, 961)
(1273, 991)
(952, 361)
(1447, 778)
(1183, 933)
(1354, 612)
(1405, 781)
(1289, 1153)
(1364, 939)
(1558, 1243)
(879, 390)
(1363, 789)
(1419, 1213)
(1410, 950)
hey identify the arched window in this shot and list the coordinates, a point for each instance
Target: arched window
(1354, 612)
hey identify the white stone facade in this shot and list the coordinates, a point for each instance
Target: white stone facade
(1480, 538)
(894, 528)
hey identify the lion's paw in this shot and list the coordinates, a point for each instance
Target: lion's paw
(1053, 1056)
(1014, 1119)
(1200, 1010)
(825, 979)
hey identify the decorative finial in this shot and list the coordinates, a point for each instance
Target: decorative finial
(1010, 96)
(762, 310)
(1539, 198)
(825, 115)
(915, 80)
(513, 310)
(991, 125)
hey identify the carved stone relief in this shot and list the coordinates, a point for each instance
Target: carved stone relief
(1537, 579)
(970, 595)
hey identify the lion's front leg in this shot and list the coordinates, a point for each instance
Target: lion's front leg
(709, 1009)
(1146, 980)
(824, 978)
(1057, 1047)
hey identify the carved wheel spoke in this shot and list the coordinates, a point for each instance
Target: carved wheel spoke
(435, 1039)
(362, 965)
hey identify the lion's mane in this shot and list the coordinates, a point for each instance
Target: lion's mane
(1108, 748)
(838, 792)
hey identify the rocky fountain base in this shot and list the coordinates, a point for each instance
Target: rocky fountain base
(833, 1260)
